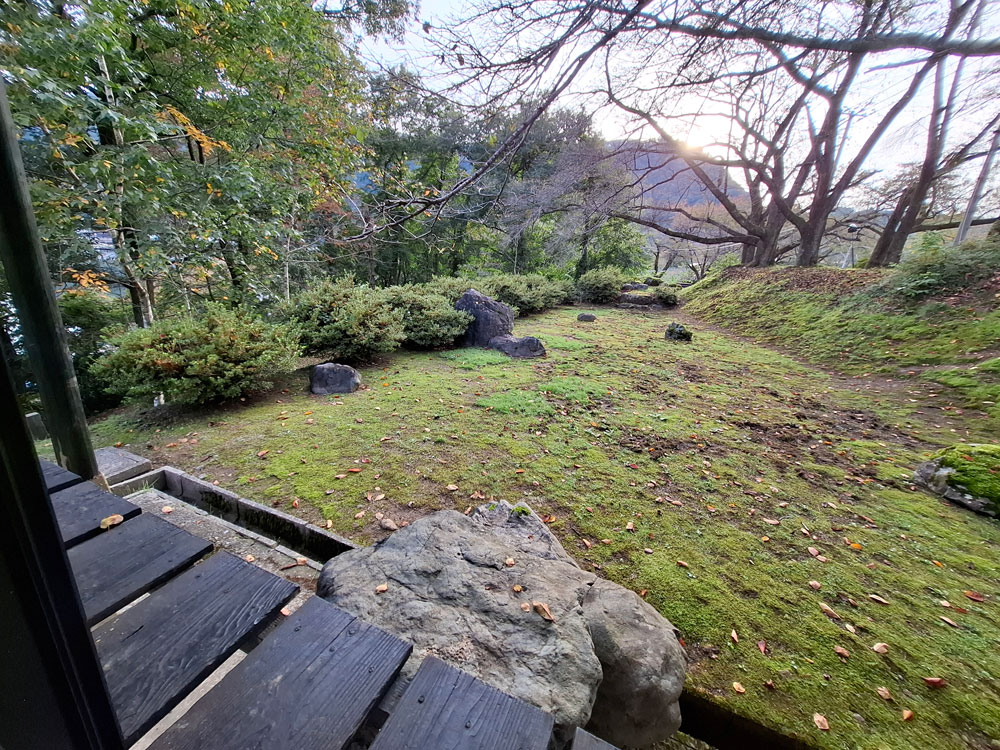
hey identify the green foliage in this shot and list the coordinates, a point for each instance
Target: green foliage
(976, 469)
(225, 354)
(528, 294)
(430, 321)
(936, 270)
(449, 287)
(600, 285)
(347, 322)
(666, 295)
(86, 316)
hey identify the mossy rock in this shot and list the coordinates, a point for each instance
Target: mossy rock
(966, 474)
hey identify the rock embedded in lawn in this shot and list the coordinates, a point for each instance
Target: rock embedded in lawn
(489, 318)
(967, 474)
(642, 300)
(677, 332)
(586, 317)
(518, 346)
(456, 594)
(334, 378)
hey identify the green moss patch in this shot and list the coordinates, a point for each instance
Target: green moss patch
(976, 469)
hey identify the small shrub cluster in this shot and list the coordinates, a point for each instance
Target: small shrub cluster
(666, 295)
(347, 322)
(601, 285)
(937, 270)
(430, 321)
(529, 294)
(225, 354)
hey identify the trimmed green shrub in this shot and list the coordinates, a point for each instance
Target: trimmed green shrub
(936, 270)
(449, 287)
(430, 321)
(347, 322)
(666, 295)
(528, 294)
(223, 355)
(600, 285)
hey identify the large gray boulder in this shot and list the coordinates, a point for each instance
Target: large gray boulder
(476, 591)
(489, 318)
(518, 346)
(643, 300)
(334, 378)
(586, 317)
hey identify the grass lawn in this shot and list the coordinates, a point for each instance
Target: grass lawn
(723, 455)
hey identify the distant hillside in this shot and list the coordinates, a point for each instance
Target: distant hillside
(665, 180)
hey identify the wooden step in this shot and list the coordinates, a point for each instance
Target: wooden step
(308, 686)
(81, 508)
(124, 562)
(447, 709)
(56, 477)
(156, 651)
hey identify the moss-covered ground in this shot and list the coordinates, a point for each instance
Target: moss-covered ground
(730, 461)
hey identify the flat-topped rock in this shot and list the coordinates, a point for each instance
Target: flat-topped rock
(334, 378)
(518, 346)
(489, 318)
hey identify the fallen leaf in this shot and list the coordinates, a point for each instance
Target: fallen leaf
(630, 526)
(261, 454)
(452, 488)
(112, 520)
(359, 515)
(828, 611)
(340, 476)
(935, 682)
(949, 621)
(815, 553)
(821, 723)
(388, 524)
(605, 541)
(944, 603)
(509, 562)
(525, 607)
(736, 638)
(518, 471)
(517, 588)
(816, 585)
(975, 596)
(907, 714)
(167, 509)
(762, 645)
(543, 611)
(739, 688)
(682, 564)
(329, 524)
(877, 598)
(249, 558)
(940, 565)
(286, 611)
(772, 521)
(548, 518)
(354, 469)
(850, 628)
(648, 551)
(770, 685)
(881, 648)
(295, 503)
(884, 693)
(842, 652)
(381, 588)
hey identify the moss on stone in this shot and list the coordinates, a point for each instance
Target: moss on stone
(976, 469)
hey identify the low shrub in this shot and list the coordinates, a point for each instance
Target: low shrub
(225, 354)
(937, 270)
(449, 287)
(527, 294)
(430, 321)
(347, 322)
(666, 295)
(600, 285)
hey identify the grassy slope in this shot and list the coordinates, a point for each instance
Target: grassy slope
(825, 315)
(615, 417)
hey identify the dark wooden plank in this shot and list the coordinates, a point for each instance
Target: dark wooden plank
(156, 651)
(128, 560)
(81, 508)
(583, 740)
(308, 686)
(447, 709)
(56, 477)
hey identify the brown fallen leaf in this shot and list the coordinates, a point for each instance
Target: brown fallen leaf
(949, 621)
(630, 526)
(381, 588)
(935, 682)
(354, 469)
(974, 596)
(525, 607)
(295, 503)
(739, 688)
(605, 541)
(944, 603)
(648, 551)
(587, 543)
(543, 611)
(762, 645)
(815, 553)
(850, 628)
(770, 685)
(249, 558)
(772, 521)
(821, 723)
(734, 636)
(881, 648)
(112, 520)
(509, 562)
(452, 488)
(261, 454)
(884, 693)
(359, 515)
(828, 611)
(166, 509)
(340, 476)
(907, 714)
(877, 598)
(286, 611)
(678, 503)
(816, 585)
(842, 652)
(517, 588)
(329, 523)
(682, 564)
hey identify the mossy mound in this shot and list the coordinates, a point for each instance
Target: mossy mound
(975, 470)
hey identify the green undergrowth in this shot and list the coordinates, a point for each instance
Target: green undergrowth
(726, 456)
(857, 322)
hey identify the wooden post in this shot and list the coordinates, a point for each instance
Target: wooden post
(38, 313)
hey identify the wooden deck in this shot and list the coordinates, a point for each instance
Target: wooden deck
(312, 684)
